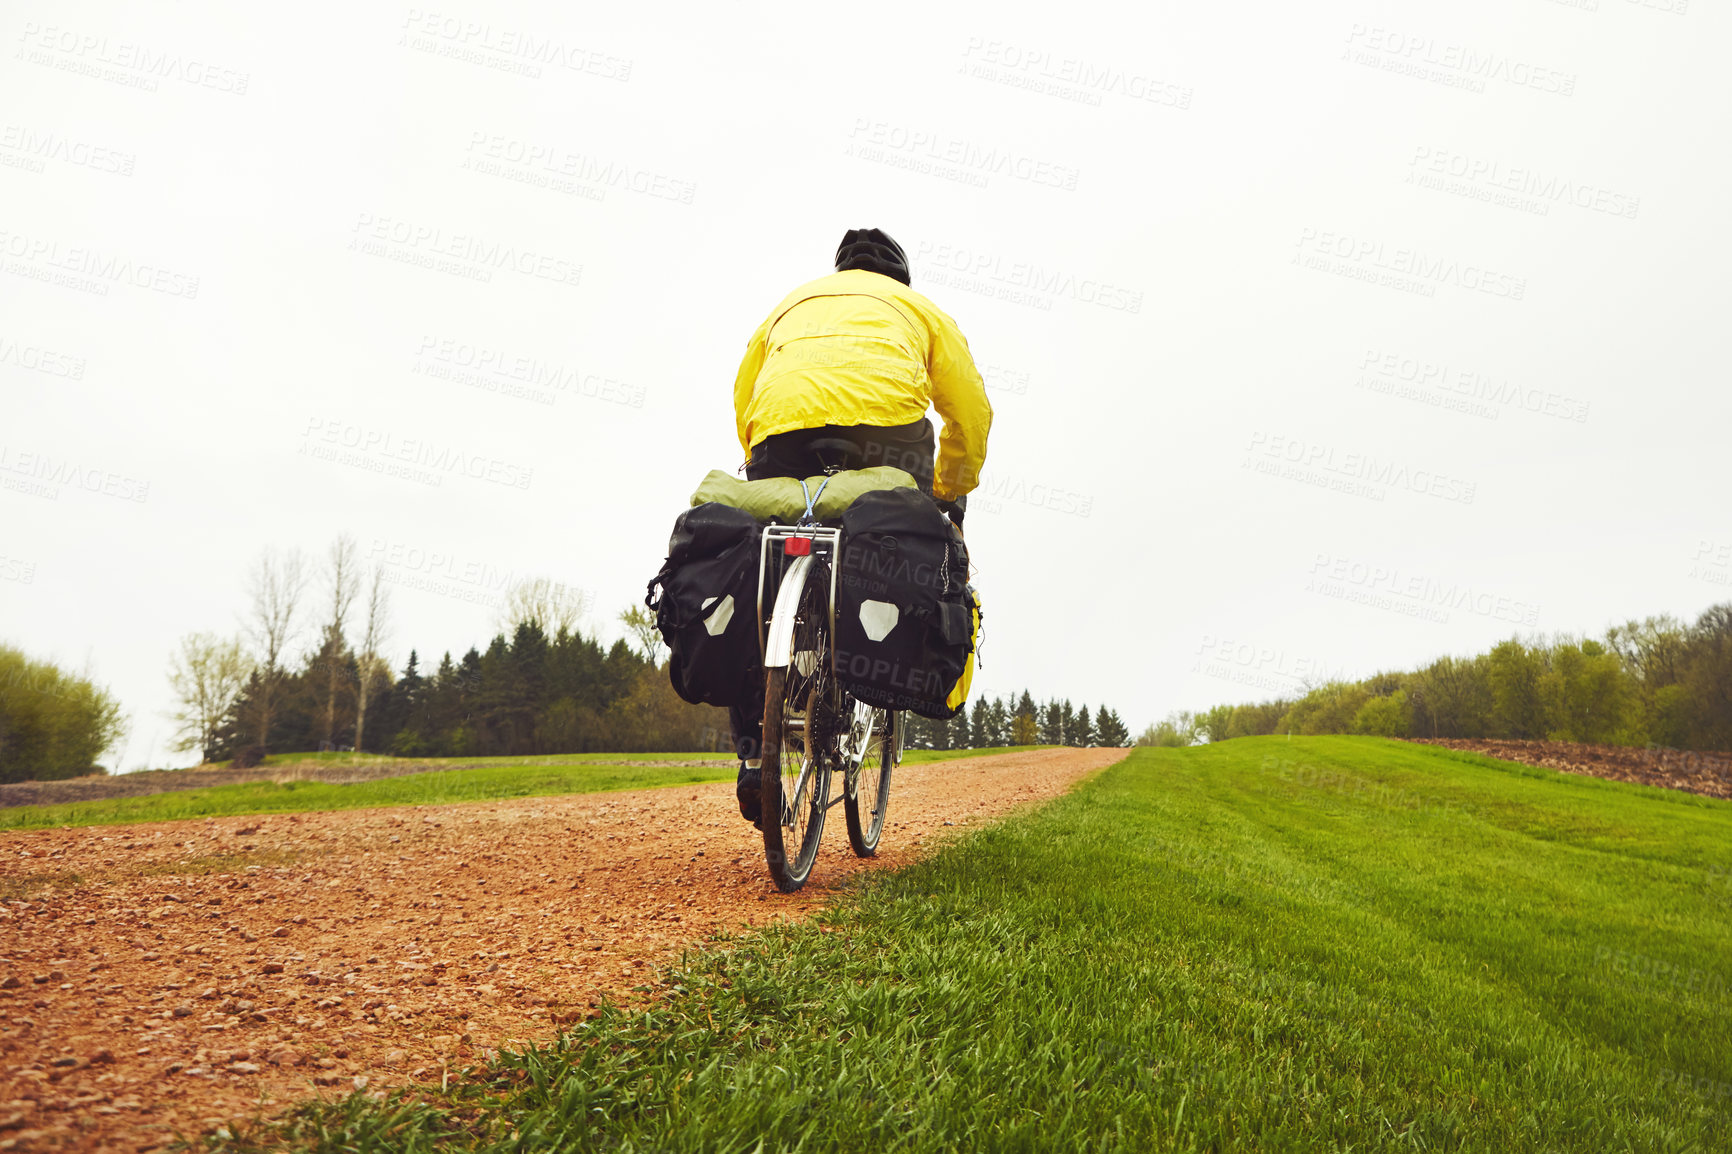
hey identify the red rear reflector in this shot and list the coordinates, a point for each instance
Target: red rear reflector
(797, 546)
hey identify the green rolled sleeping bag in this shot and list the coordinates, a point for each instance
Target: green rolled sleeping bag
(780, 499)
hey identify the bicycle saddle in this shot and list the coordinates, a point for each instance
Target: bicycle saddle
(835, 452)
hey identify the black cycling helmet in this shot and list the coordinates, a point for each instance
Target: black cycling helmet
(873, 250)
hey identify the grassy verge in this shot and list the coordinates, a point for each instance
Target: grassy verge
(1323, 944)
(440, 787)
(341, 759)
(510, 777)
(338, 760)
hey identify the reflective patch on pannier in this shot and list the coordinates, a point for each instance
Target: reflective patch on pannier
(718, 621)
(878, 618)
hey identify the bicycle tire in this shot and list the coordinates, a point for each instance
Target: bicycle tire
(867, 798)
(793, 750)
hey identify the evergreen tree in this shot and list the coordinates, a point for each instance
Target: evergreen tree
(411, 686)
(525, 694)
(1024, 721)
(1066, 723)
(937, 733)
(1051, 725)
(980, 725)
(1110, 730)
(917, 732)
(997, 723)
(1084, 734)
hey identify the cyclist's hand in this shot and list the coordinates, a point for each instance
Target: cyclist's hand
(954, 510)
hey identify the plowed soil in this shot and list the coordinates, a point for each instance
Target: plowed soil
(165, 978)
(1691, 770)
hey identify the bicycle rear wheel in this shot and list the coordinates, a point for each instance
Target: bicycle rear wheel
(867, 796)
(795, 781)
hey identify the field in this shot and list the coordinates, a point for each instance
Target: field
(1267, 944)
(1328, 943)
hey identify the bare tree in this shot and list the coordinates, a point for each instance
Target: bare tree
(342, 580)
(371, 666)
(274, 586)
(640, 625)
(552, 606)
(207, 675)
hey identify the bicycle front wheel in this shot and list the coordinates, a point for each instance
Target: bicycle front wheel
(867, 796)
(795, 781)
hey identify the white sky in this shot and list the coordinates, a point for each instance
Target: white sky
(1121, 209)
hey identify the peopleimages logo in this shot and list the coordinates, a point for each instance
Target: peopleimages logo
(1067, 77)
(410, 457)
(438, 563)
(995, 488)
(49, 472)
(1513, 186)
(1413, 594)
(35, 149)
(41, 258)
(908, 688)
(970, 264)
(135, 65)
(538, 162)
(40, 360)
(1365, 259)
(14, 569)
(1363, 470)
(1469, 385)
(516, 374)
(506, 49)
(1426, 57)
(880, 141)
(463, 254)
(1712, 562)
(1217, 651)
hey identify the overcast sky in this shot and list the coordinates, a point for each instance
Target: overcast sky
(1322, 338)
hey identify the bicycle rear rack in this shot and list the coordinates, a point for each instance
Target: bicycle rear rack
(774, 557)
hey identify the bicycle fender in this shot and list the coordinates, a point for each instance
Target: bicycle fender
(779, 646)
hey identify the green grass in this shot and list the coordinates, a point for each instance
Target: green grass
(339, 759)
(1319, 944)
(484, 779)
(555, 759)
(438, 787)
(17, 887)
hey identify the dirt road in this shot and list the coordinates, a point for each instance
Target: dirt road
(171, 976)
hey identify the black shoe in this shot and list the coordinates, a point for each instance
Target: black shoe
(746, 791)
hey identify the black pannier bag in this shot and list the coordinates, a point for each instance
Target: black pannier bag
(707, 605)
(904, 628)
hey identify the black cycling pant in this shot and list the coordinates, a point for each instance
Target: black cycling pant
(911, 448)
(747, 721)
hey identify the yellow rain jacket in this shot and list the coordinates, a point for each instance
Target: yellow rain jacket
(860, 348)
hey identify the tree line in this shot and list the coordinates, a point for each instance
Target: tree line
(542, 685)
(1657, 681)
(1018, 721)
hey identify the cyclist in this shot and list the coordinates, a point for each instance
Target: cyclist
(857, 355)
